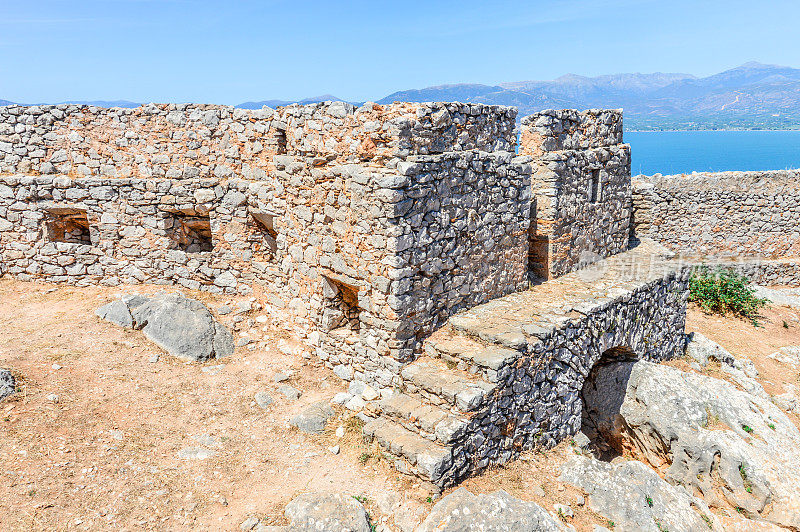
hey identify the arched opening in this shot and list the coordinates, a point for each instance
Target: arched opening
(602, 396)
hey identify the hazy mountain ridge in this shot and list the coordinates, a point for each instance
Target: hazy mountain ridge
(752, 96)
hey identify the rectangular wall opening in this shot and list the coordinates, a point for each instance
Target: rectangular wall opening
(67, 225)
(192, 233)
(538, 249)
(264, 236)
(341, 313)
(280, 140)
(596, 189)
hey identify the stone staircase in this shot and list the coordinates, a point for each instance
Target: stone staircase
(425, 424)
(506, 376)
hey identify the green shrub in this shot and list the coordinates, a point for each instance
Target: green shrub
(724, 292)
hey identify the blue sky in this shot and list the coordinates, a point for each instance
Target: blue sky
(231, 51)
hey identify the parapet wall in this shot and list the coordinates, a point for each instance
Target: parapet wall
(581, 188)
(728, 214)
(208, 141)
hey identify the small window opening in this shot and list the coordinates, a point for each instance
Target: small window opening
(68, 225)
(265, 234)
(594, 194)
(280, 139)
(192, 233)
(341, 311)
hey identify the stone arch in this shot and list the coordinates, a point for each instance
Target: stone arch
(602, 395)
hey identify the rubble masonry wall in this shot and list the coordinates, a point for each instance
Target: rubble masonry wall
(580, 185)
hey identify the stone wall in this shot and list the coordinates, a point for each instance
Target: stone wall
(362, 229)
(733, 214)
(581, 188)
(191, 141)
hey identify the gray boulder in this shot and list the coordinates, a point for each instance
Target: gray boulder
(785, 297)
(181, 326)
(7, 383)
(314, 418)
(634, 497)
(703, 350)
(313, 512)
(716, 440)
(461, 511)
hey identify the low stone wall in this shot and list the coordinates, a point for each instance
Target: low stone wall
(581, 187)
(734, 214)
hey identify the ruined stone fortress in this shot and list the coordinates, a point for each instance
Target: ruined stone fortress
(472, 269)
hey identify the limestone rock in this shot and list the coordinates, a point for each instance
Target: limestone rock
(497, 512)
(710, 433)
(181, 326)
(7, 383)
(784, 298)
(312, 512)
(703, 349)
(313, 419)
(788, 355)
(635, 497)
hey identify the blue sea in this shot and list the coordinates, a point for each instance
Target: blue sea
(680, 152)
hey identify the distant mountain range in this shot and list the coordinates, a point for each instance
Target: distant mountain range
(752, 96)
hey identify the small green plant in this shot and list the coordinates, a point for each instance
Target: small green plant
(649, 501)
(785, 325)
(747, 429)
(707, 519)
(771, 425)
(661, 527)
(429, 499)
(361, 498)
(610, 524)
(748, 486)
(724, 292)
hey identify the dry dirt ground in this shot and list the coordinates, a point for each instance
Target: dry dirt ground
(91, 439)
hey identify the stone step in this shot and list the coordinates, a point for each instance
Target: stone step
(424, 458)
(438, 383)
(471, 355)
(430, 421)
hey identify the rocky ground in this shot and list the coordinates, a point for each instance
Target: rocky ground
(106, 430)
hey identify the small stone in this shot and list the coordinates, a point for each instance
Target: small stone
(539, 491)
(116, 434)
(282, 376)
(344, 372)
(355, 404)
(224, 310)
(56, 367)
(314, 418)
(341, 398)
(334, 449)
(563, 510)
(153, 359)
(212, 370)
(195, 453)
(369, 393)
(52, 397)
(291, 393)
(356, 388)
(263, 399)
(579, 500)
(340, 432)
(250, 523)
